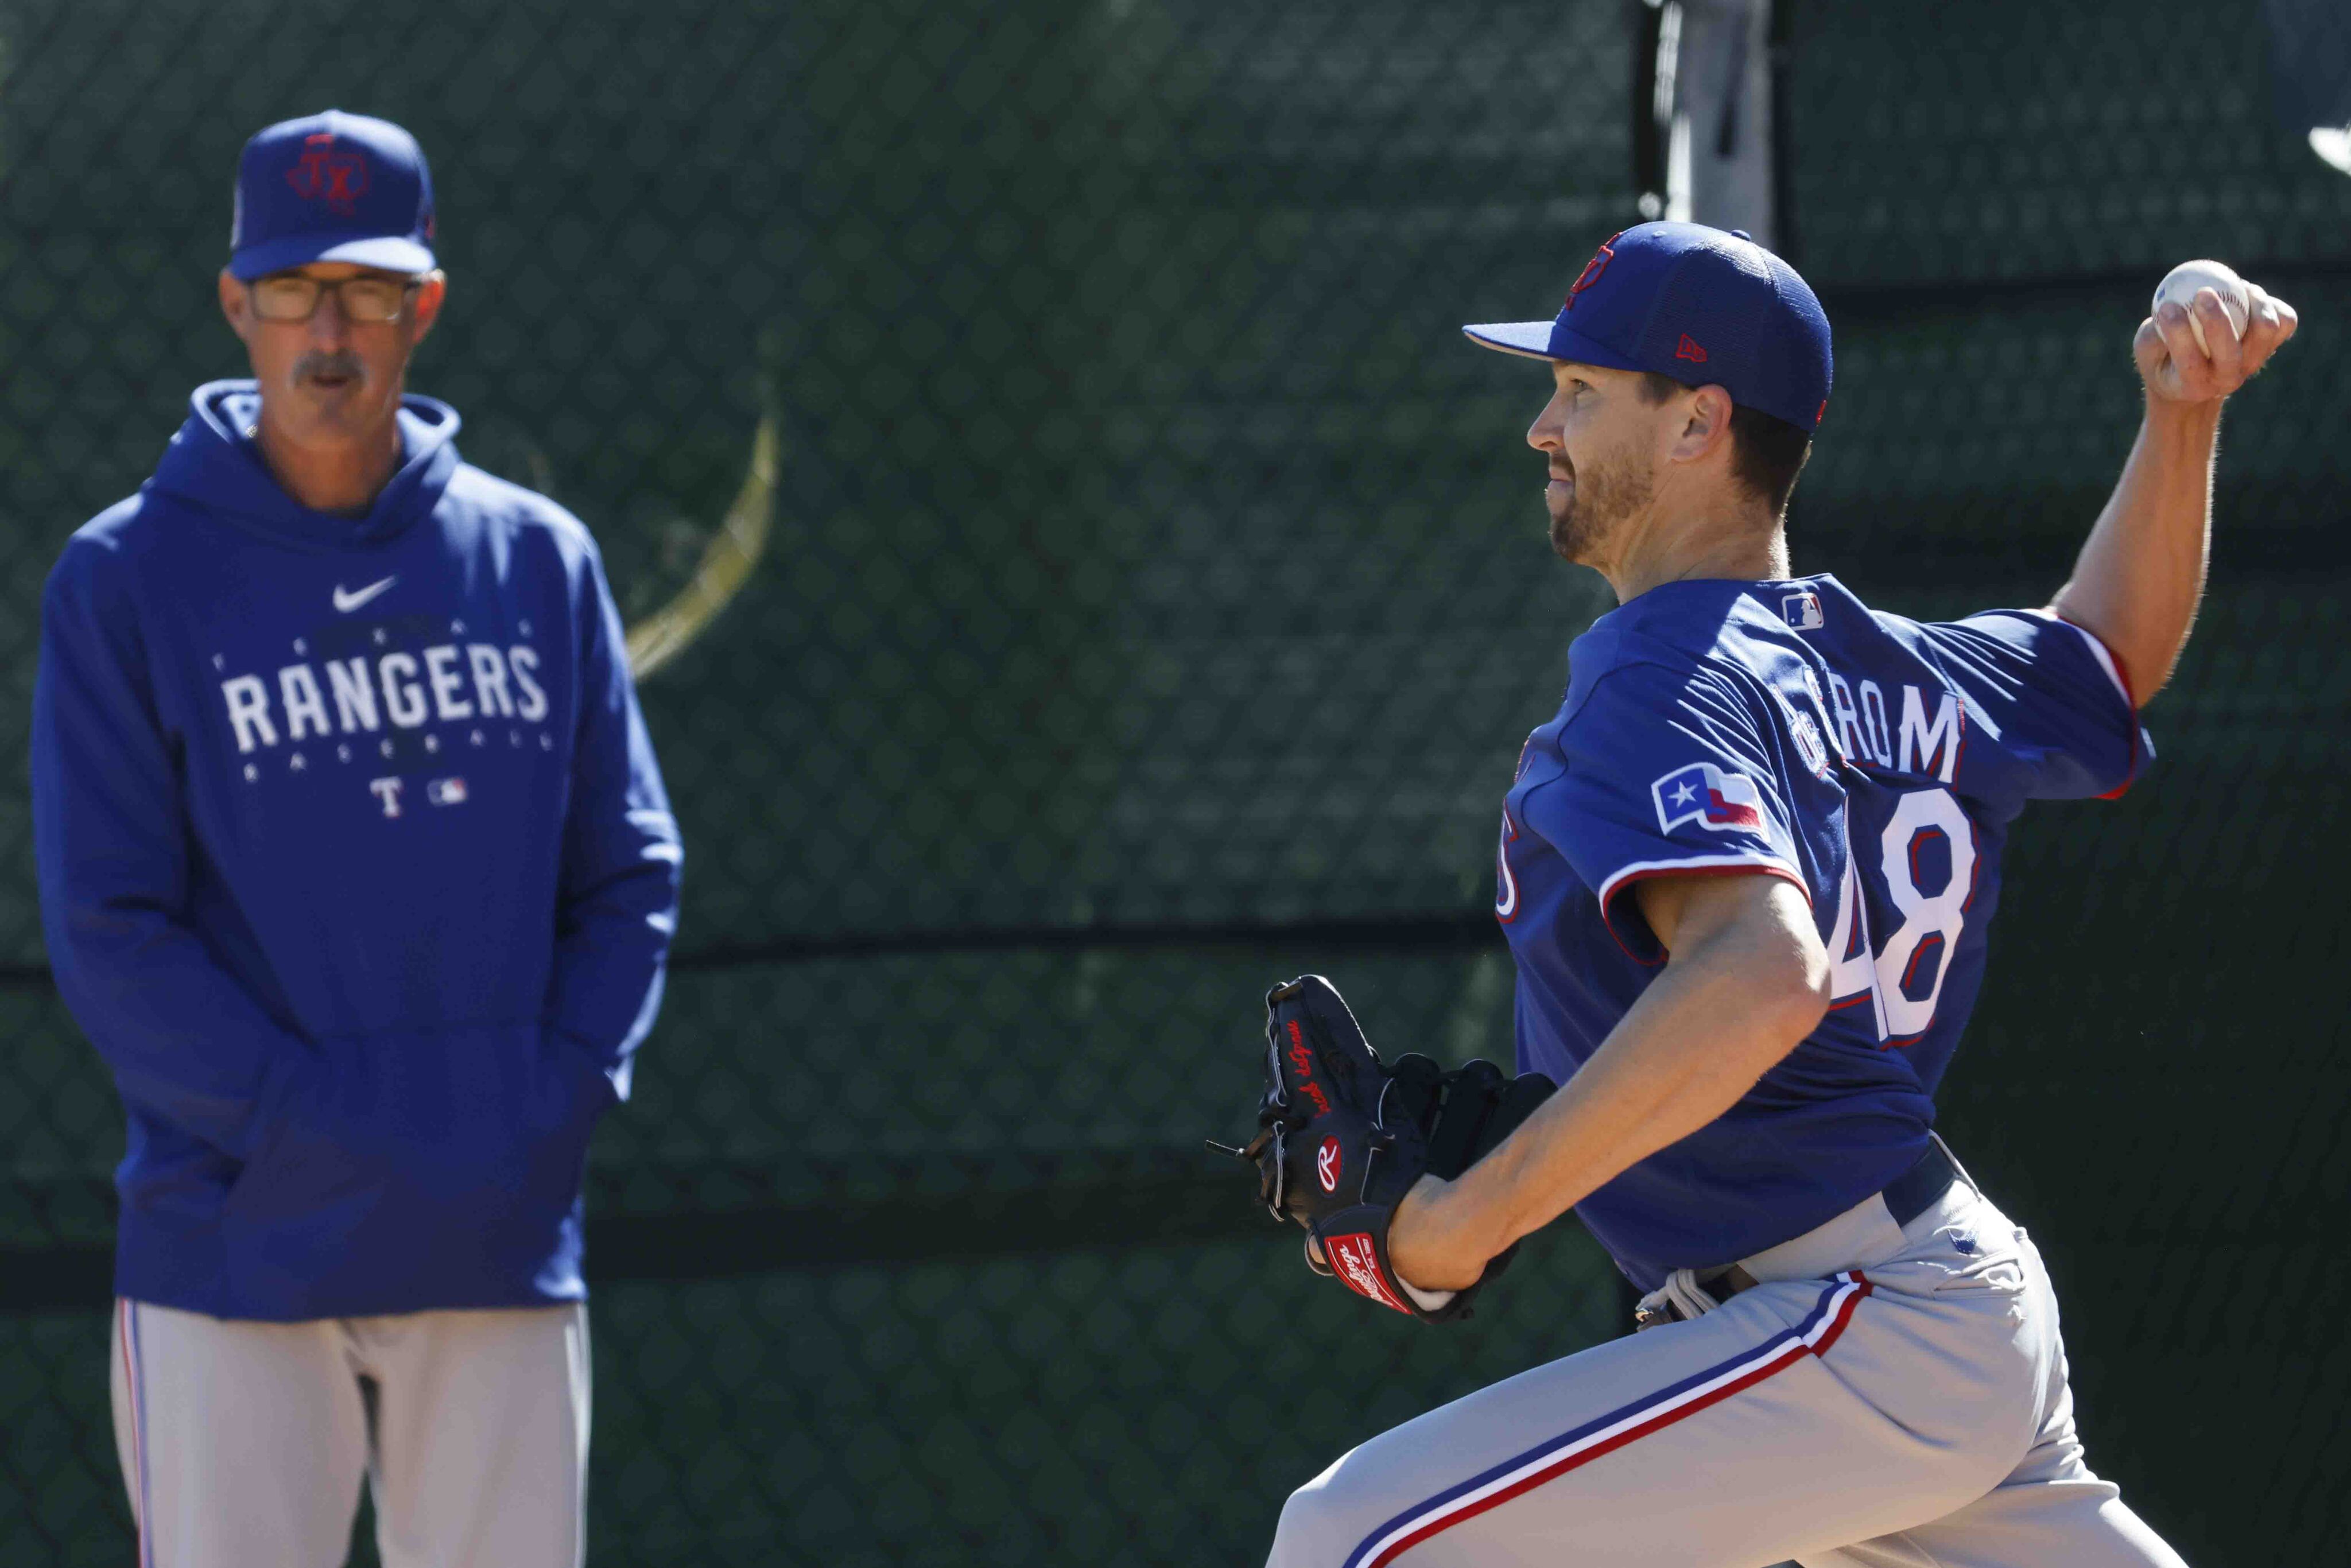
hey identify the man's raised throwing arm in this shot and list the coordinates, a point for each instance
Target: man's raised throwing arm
(2141, 572)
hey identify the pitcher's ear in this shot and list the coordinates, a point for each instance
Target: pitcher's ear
(1706, 426)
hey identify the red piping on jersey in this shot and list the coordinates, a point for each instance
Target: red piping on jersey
(1766, 867)
(1975, 866)
(1913, 851)
(2130, 697)
(1917, 954)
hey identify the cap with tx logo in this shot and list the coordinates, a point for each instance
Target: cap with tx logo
(1697, 304)
(331, 187)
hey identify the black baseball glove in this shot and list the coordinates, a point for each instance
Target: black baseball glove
(1341, 1136)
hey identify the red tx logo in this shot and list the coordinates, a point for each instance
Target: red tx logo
(321, 173)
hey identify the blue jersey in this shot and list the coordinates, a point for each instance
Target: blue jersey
(1786, 729)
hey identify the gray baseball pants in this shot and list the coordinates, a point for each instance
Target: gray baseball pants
(1887, 1397)
(244, 1444)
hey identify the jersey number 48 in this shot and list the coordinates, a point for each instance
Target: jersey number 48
(1903, 979)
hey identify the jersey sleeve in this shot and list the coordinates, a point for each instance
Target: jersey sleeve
(2051, 695)
(1668, 773)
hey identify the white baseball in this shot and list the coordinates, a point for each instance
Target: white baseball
(2179, 287)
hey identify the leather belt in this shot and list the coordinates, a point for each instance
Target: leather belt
(1916, 1190)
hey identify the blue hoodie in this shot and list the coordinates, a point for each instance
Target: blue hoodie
(356, 869)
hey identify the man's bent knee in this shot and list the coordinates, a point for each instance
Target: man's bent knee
(1318, 1525)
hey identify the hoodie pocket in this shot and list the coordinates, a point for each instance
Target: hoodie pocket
(479, 1117)
(571, 1095)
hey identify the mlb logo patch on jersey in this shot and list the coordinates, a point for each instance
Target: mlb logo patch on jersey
(1804, 610)
(1702, 793)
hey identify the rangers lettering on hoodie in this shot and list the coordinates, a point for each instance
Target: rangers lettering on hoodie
(445, 683)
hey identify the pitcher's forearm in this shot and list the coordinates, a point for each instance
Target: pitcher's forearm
(2141, 572)
(1747, 981)
(1680, 1059)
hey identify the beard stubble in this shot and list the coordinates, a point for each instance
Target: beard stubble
(1607, 490)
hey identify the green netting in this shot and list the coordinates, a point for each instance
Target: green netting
(2045, 143)
(1153, 598)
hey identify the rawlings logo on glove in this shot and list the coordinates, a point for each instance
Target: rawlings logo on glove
(1342, 1137)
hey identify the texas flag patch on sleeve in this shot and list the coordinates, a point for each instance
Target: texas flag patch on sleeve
(1703, 793)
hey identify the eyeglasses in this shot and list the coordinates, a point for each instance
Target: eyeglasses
(291, 296)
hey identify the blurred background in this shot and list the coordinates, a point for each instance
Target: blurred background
(1083, 576)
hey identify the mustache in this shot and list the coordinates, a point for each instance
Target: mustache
(330, 363)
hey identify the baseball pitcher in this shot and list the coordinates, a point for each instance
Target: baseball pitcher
(356, 869)
(1745, 872)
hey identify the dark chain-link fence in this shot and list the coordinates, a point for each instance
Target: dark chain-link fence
(1084, 577)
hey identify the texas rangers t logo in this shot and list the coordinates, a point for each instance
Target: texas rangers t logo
(321, 173)
(1704, 794)
(1592, 268)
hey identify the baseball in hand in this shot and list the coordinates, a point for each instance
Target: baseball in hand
(2180, 287)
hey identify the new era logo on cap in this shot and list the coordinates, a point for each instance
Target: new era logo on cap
(1671, 298)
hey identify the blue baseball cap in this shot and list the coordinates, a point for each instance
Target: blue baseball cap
(331, 187)
(1698, 304)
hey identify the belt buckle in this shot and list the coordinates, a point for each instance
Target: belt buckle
(1646, 1316)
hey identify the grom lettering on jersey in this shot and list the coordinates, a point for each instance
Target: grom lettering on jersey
(1922, 739)
(446, 682)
